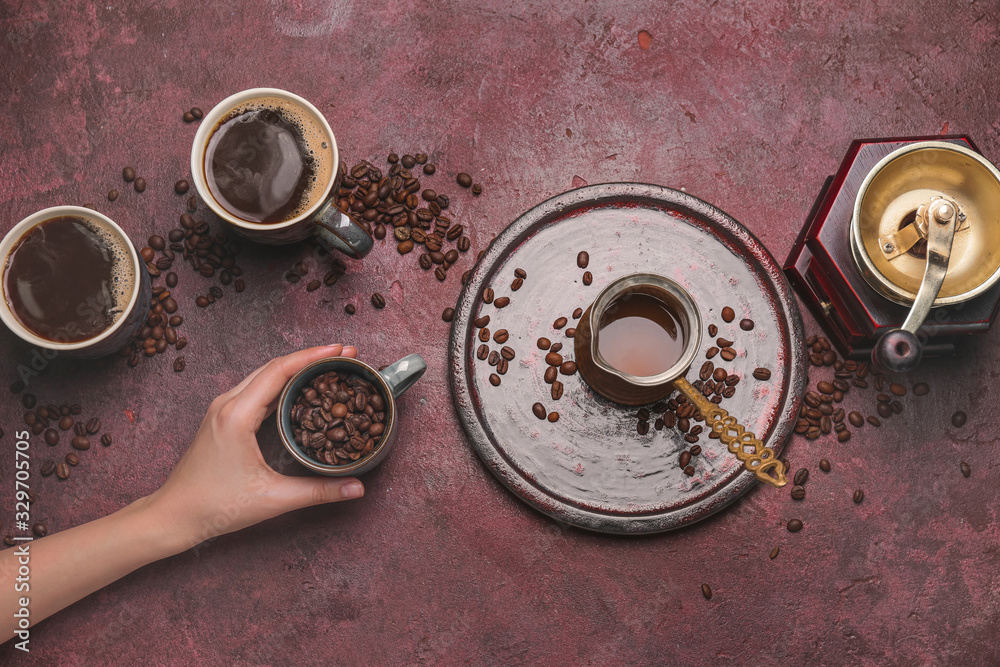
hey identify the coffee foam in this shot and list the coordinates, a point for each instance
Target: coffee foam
(314, 136)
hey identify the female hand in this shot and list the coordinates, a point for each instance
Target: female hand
(222, 483)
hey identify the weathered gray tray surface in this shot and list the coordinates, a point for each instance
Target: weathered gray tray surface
(590, 468)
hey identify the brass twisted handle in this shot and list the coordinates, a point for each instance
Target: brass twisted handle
(756, 458)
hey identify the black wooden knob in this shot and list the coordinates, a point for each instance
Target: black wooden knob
(898, 351)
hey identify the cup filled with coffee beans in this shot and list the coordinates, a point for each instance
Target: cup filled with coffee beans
(72, 282)
(338, 416)
(635, 343)
(266, 161)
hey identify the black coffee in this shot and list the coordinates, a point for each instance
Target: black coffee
(640, 336)
(267, 163)
(68, 279)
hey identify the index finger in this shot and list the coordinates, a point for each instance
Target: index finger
(262, 388)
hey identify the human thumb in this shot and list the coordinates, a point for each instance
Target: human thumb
(299, 492)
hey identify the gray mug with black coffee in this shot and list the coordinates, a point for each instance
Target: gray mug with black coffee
(266, 161)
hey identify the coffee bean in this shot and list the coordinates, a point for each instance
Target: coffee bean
(582, 259)
(543, 343)
(48, 468)
(559, 323)
(429, 195)
(464, 179)
(798, 492)
(774, 553)
(724, 342)
(825, 387)
(408, 161)
(488, 295)
(62, 471)
(494, 379)
(706, 590)
(689, 470)
(52, 436)
(843, 436)
(521, 273)
(577, 313)
(515, 285)
(448, 315)
(483, 351)
(405, 247)
(719, 374)
(958, 419)
(897, 389)
(502, 366)
(313, 285)
(588, 277)
(481, 321)
(197, 113)
(762, 374)
(728, 353)
(508, 353)
(179, 364)
(642, 427)
(571, 332)
(553, 359)
(696, 450)
(884, 410)
(378, 300)
(824, 465)
(139, 184)
(502, 302)
(856, 419)
(72, 459)
(921, 389)
(81, 443)
(464, 243)
(551, 373)
(829, 358)
(39, 529)
(147, 254)
(567, 367)
(747, 325)
(685, 459)
(106, 440)
(794, 526)
(859, 495)
(188, 117)
(113, 195)
(801, 475)
(966, 469)
(128, 173)
(557, 390)
(181, 186)
(93, 426)
(484, 334)
(728, 314)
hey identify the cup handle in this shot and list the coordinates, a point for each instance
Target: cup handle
(401, 375)
(336, 230)
(761, 460)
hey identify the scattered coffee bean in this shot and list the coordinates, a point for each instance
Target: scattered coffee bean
(481, 321)
(477, 189)
(197, 113)
(179, 364)
(966, 469)
(588, 278)
(113, 195)
(856, 419)
(582, 259)
(794, 525)
(570, 332)
(958, 419)
(859, 495)
(502, 302)
(39, 529)
(843, 436)
(824, 465)
(181, 186)
(567, 367)
(798, 492)
(557, 390)
(747, 324)
(516, 284)
(188, 117)
(801, 475)
(921, 389)
(544, 343)
(553, 359)
(762, 374)
(706, 590)
(774, 553)
(494, 379)
(378, 300)
(80, 442)
(728, 314)
(350, 309)
(553, 417)
(72, 459)
(106, 440)
(448, 315)
(508, 353)
(728, 353)
(139, 184)
(898, 389)
(550, 375)
(93, 426)
(48, 468)
(689, 470)
(488, 295)
(128, 174)
(52, 436)
(62, 471)
(539, 410)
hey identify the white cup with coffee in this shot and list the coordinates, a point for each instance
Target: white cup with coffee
(72, 282)
(266, 161)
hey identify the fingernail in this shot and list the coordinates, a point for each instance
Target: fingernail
(330, 347)
(349, 350)
(352, 490)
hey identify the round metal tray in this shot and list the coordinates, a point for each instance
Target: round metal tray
(591, 468)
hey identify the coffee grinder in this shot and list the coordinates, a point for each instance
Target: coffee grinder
(900, 256)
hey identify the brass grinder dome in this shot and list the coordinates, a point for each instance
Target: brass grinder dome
(887, 241)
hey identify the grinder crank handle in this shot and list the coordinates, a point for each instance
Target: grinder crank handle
(899, 350)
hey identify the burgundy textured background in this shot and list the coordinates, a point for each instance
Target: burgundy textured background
(747, 107)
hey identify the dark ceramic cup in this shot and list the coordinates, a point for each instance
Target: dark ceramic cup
(390, 382)
(135, 302)
(322, 220)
